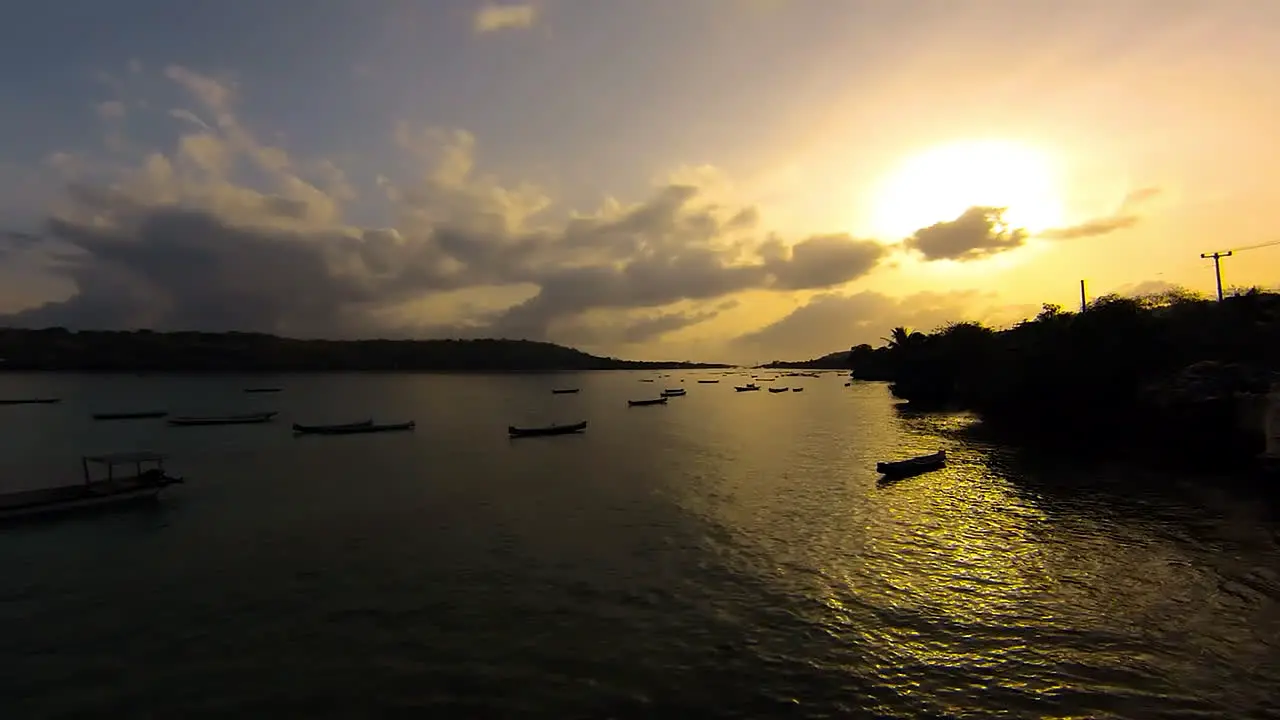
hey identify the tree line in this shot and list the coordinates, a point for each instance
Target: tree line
(1167, 366)
(148, 351)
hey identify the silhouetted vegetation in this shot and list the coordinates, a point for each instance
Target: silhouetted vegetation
(146, 351)
(1169, 368)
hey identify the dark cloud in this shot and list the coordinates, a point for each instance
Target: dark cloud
(1124, 217)
(833, 322)
(978, 233)
(239, 259)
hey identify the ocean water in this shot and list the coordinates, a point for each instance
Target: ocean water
(727, 555)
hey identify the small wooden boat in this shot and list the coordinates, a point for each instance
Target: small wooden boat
(642, 403)
(746, 388)
(262, 389)
(515, 432)
(246, 419)
(144, 484)
(708, 382)
(352, 428)
(138, 415)
(565, 391)
(30, 401)
(848, 384)
(777, 390)
(298, 427)
(677, 392)
(645, 380)
(913, 466)
(797, 389)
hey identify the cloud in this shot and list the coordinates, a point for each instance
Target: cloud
(836, 321)
(110, 110)
(979, 232)
(1125, 217)
(491, 18)
(181, 241)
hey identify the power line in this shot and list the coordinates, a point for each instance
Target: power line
(1254, 247)
(1218, 255)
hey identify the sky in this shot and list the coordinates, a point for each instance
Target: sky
(715, 180)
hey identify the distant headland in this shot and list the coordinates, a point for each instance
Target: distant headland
(59, 349)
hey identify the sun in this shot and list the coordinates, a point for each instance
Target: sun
(941, 183)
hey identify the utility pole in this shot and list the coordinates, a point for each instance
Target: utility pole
(1083, 304)
(1217, 267)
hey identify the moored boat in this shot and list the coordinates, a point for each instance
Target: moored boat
(245, 419)
(778, 390)
(645, 380)
(262, 389)
(746, 388)
(30, 401)
(797, 389)
(565, 391)
(514, 431)
(148, 479)
(352, 428)
(299, 427)
(913, 466)
(677, 392)
(642, 403)
(708, 382)
(135, 415)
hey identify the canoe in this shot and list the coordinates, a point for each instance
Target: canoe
(565, 391)
(746, 388)
(777, 390)
(93, 493)
(297, 427)
(912, 466)
(642, 403)
(138, 415)
(514, 431)
(248, 419)
(31, 401)
(673, 393)
(262, 390)
(352, 429)
(708, 382)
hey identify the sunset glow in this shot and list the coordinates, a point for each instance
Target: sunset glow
(939, 184)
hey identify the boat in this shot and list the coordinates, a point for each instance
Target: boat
(708, 382)
(746, 388)
(30, 401)
(136, 415)
(515, 432)
(352, 428)
(677, 392)
(146, 482)
(797, 389)
(297, 427)
(777, 390)
(565, 391)
(262, 389)
(645, 380)
(642, 403)
(246, 419)
(913, 466)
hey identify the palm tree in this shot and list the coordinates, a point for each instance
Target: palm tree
(901, 337)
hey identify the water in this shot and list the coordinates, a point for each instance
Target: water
(727, 555)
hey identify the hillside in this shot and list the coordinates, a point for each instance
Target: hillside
(838, 360)
(146, 351)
